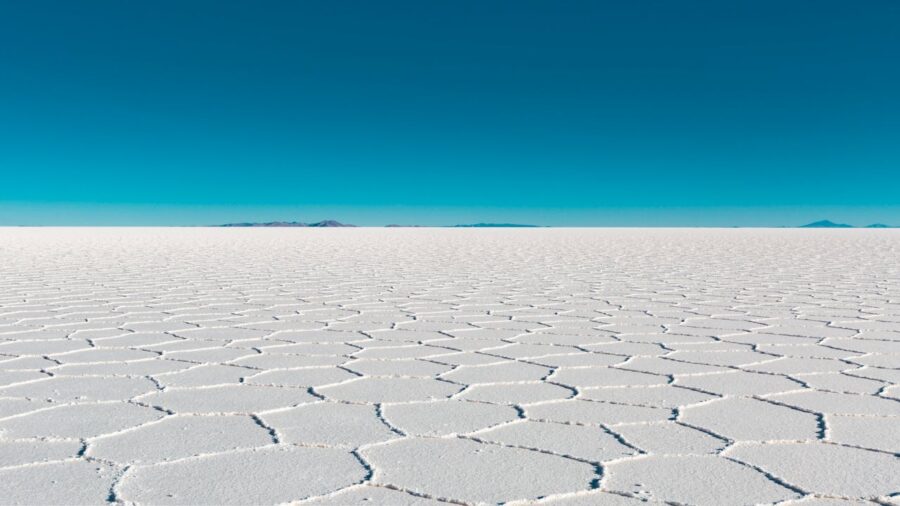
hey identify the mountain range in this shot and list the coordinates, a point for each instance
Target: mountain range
(831, 224)
(319, 224)
(333, 223)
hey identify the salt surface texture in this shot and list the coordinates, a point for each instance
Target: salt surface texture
(400, 366)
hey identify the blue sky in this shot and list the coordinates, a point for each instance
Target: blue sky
(573, 113)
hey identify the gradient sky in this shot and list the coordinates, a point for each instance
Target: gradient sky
(743, 112)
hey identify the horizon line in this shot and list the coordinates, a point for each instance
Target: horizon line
(848, 227)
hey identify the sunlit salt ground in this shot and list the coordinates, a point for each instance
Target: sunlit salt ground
(401, 366)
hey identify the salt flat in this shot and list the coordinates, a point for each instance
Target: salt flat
(418, 366)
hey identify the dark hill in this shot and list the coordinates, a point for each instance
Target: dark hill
(826, 224)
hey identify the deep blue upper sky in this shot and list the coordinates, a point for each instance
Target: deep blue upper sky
(570, 113)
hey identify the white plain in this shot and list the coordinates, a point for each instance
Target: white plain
(414, 366)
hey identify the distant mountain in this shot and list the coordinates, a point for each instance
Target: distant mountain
(330, 223)
(878, 225)
(495, 225)
(325, 223)
(826, 224)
